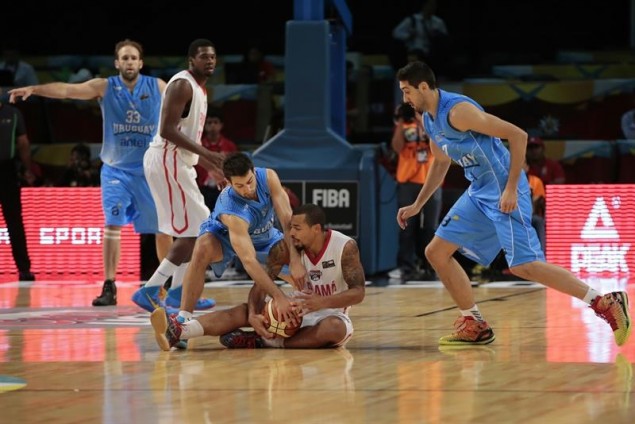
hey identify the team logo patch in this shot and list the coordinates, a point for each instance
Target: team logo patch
(328, 264)
(315, 275)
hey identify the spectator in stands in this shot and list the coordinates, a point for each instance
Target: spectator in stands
(628, 124)
(33, 177)
(412, 145)
(23, 72)
(550, 171)
(426, 32)
(80, 171)
(538, 197)
(254, 68)
(13, 138)
(213, 140)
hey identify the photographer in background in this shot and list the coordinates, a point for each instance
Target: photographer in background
(80, 171)
(411, 143)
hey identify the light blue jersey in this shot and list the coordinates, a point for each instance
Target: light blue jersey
(130, 121)
(484, 159)
(475, 222)
(259, 214)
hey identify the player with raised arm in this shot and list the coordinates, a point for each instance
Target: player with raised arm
(130, 104)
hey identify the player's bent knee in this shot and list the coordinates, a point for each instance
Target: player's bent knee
(525, 271)
(333, 330)
(207, 249)
(436, 254)
(429, 253)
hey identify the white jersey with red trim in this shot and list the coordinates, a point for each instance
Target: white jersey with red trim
(324, 271)
(192, 125)
(170, 171)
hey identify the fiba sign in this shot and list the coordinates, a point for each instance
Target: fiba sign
(331, 197)
(594, 234)
(338, 199)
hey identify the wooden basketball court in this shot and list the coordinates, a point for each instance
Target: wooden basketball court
(553, 361)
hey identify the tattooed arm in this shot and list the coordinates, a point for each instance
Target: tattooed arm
(278, 257)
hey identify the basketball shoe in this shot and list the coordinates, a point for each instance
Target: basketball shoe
(167, 330)
(108, 296)
(151, 298)
(173, 300)
(469, 332)
(240, 339)
(613, 308)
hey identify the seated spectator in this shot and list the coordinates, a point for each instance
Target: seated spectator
(628, 124)
(23, 72)
(254, 69)
(80, 171)
(550, 171)
(212, 139)
(33, 177)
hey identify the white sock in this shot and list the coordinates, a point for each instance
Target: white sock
(161, 275)
(187, 316)
(275, 342)
(192, 329)
(474, 313)
(177, 276)
(590, 296)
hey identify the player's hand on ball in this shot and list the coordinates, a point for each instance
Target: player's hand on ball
(309, 302)
(260, 324)
(274, 322)
(287, 309)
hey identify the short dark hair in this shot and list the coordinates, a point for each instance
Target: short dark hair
(237, 164)
(417, 72)
(199, 42)
(128, 42)
(313, 214)
(215, 112)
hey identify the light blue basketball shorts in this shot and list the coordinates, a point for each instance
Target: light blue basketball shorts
(482, 230)
(263, 244)
(126, 198)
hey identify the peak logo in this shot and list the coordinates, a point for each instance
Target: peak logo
(593, 231)
(602, 250)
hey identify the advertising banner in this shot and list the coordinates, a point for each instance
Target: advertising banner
(591, 228)
(65, 231)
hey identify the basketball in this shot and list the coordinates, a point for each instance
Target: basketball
(275, 324)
